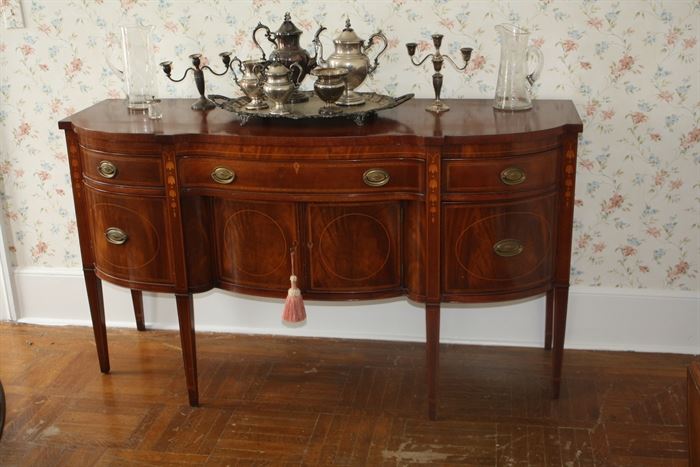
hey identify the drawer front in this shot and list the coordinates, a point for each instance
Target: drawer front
(497, 247)
(129, 237)
(303, 177)
(122, 169)
(502, 174)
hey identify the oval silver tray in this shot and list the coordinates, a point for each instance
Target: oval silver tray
(310, 109)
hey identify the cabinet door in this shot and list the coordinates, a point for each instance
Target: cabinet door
(130, 237)
(253, 242)
(354, 247)
(497, 247)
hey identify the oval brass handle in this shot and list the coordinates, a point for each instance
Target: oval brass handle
(513, 176)
(223, 175)
(116, 236)
(107, 169)
(376, 177)
(508, 247)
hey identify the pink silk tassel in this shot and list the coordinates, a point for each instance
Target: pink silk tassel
(294, 310)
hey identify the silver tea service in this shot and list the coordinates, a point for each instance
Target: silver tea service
(270, 82)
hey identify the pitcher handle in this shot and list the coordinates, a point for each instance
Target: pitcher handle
(233, 71)
(370, 42)
(296, 83)
(268, 35)
(318, 59)
(539, 58)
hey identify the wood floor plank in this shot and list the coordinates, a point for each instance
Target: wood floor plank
(326, 402)
(130, 457)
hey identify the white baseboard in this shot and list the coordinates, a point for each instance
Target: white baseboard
(7, 300)
(598, 318)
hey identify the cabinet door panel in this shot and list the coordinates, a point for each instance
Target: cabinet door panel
(254, 242)
(130, 238)
(355, 248)
(497, 247)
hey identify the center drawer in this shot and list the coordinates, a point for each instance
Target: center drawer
(396, 175)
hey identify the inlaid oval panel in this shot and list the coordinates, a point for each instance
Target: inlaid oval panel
(136, 248)
(142, 240)
(256, 241)
(503, 246)
(343, 237)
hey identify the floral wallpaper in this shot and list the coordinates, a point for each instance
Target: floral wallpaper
(631, 67)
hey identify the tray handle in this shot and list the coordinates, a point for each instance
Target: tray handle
(400, 100)
(216, 98)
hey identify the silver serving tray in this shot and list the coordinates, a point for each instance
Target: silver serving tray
(310, 109)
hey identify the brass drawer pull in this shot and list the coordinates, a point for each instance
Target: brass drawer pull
(107, 169)
(508, 247)
(376, 177)
(223, 175)
(116, 236)
(513, 176)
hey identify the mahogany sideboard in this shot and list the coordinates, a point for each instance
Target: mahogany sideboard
(473, 205)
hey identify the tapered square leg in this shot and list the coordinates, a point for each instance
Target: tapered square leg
(561, 299)
(549, 317)
(137, 300)
(97, 314)
(432, 333)
(185, 316)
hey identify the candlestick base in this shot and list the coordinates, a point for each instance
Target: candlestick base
(203, 104)
(438, 107)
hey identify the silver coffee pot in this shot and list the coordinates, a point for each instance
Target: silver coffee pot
(287, 50)
(351, 53)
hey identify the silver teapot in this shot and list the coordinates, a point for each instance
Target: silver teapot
(351, 53)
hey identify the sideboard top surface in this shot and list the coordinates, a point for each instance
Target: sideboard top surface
(467, 118)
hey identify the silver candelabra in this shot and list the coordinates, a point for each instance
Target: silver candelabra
(438, 59)
(203, 103)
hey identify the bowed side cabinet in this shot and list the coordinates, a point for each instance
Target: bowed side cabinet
(471, 206)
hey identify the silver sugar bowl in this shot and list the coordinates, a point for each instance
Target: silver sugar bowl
(351, 53)
(279, 86)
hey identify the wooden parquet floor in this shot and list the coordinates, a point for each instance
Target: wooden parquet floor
(287, 401)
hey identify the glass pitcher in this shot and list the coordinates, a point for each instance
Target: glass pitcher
(514, 83)
(139, 70)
